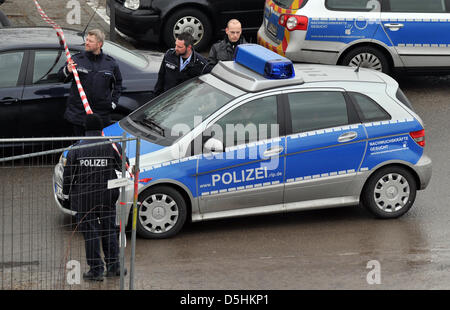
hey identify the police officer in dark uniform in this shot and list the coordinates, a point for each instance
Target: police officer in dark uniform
(101, 80)
(180, 64)
(86, 175)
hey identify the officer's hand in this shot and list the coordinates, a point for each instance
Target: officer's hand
(69, 66)
(113, 105)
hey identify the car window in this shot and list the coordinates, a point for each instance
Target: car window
(428, 6)
(403, 99)
(368, 109)
(250, 122)
(182, 107)
(124, 55)
(46, 66)
(316, 110)
(353, 5)
(10, 64)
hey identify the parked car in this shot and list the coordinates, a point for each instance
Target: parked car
(33, 100)
(261, 135)
(4, 21)
(384, 35)
(161, 20)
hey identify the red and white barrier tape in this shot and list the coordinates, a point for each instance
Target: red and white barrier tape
(83, 96)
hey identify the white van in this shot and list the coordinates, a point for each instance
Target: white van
(412, 35)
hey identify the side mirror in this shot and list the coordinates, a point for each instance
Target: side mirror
(213, 146)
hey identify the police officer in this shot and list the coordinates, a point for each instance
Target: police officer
(180, 64)
(224, 50)
(86, 176)
(101, 80)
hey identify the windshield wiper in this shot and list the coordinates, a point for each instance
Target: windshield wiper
(152, 124)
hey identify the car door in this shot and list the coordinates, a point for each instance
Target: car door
(44, 96)
(341, 23)
(325, 149)
(13, 66)
(224, 11)
(248, 176)
(251, 14)
(419, 30)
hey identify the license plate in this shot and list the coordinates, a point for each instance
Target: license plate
(272, 29)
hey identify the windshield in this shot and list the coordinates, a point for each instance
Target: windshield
(124, 55)
(181, 108)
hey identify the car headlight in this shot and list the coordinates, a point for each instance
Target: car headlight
(132, 4)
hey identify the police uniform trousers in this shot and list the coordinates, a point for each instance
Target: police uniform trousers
(98, 225)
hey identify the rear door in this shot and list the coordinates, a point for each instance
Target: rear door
(339, 24)
(325, 149)
(419, 30)
(44, 97)
(225, 10)
(13, 66)
(251, 14)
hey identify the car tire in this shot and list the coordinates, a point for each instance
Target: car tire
(161, 213)
(389, 193)
(368, 57)
(192, 21)
(4, 21)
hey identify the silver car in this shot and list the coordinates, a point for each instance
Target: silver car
(412, 35)
(259, 135)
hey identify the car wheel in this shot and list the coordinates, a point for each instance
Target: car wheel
(389, 192)
(367, 57)
(4, 21)
(189, 20)
(161, 213)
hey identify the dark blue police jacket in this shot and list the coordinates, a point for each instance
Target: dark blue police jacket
(102, 82)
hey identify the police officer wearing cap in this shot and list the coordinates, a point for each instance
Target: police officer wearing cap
(101, 80)
(86, 175)
(180, 64)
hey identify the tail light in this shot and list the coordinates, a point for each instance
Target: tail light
(418, 137)
(293, 22)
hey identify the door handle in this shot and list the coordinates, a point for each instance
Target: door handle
(393, 27)
(348, 136)
(273, 152)
(9, 100)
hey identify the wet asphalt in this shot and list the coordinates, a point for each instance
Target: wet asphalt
(322, 249)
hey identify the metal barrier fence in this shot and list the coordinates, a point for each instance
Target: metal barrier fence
(40, 241)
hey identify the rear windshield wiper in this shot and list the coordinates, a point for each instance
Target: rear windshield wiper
(152, 124)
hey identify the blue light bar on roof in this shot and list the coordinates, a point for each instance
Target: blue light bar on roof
(263, 61)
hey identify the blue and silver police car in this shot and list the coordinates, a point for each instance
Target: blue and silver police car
(261, 135)
(411, 35)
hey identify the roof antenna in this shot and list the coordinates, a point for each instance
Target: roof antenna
(83, 33)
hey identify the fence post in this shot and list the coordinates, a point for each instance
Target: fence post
(122, 224)
(133, 232)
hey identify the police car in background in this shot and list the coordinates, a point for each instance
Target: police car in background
(411, 35)
(260, 135)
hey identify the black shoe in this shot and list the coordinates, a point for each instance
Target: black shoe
(115, 272)
(93, 276)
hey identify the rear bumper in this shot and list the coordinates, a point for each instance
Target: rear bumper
(424, 171)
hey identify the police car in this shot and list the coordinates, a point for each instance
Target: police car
(410, 35)
(260, 135)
